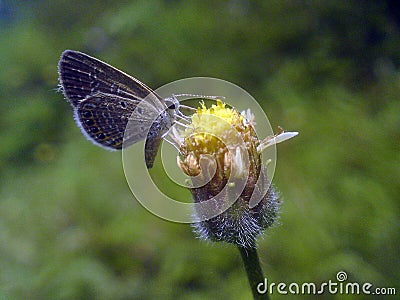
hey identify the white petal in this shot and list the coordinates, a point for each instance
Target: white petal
(285, 136)
(276, 140)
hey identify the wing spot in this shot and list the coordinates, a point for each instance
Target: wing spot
(100, 136)
(89, 122)
(89, 106)
(87, 114)
(94, 129)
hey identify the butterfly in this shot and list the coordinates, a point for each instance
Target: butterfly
(105, 100)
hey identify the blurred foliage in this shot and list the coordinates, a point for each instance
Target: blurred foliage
(69, 226)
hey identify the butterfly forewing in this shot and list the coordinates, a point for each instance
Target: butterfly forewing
(82, 76)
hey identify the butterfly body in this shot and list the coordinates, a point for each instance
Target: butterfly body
(113, 109)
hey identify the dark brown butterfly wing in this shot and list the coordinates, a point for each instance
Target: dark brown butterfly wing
(81, 76)
(103, 119)
(112, 108)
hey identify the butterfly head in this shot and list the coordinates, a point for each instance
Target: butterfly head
(172, 106)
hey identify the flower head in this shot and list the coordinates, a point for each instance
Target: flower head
(222, 153)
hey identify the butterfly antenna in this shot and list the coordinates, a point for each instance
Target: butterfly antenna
(187, 107)
(200, 96)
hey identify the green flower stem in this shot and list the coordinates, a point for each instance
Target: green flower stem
(253, 270)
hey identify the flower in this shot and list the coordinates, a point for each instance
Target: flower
(221, 152)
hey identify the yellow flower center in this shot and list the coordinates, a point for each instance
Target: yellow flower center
(222, 133)
(211, 126)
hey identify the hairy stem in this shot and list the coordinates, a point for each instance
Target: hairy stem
(253, 269)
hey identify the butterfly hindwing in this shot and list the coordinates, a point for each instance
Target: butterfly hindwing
(104, 118)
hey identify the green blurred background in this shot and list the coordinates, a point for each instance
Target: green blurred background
(69, 225)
